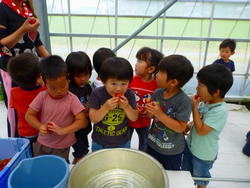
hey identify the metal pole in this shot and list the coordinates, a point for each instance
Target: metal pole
(70, 28)
(209, 32)
(144, 26)
(116, 20)
(39, 7)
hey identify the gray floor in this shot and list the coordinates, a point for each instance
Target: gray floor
(231, 163)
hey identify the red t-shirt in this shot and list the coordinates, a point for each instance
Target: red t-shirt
(142, 90)
(21, 98)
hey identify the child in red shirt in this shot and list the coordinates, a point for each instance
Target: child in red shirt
(24, 70)
(143, 85)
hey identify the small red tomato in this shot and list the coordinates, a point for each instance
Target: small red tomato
(33, 21)
(118, 95)
(148, 100)
(47, 127)
(196, 96)
(141, 109)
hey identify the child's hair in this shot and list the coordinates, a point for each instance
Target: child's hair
(216, 76)
(77, 63)
(228, 43)
(177, 67)
(53, 67)
(150, 56)
(117, 68)
(100, 56)
(24, 69)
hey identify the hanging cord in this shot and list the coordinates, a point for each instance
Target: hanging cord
(140, 25)
(92, 25)
(185, 27)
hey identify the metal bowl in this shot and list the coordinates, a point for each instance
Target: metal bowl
(118, 167)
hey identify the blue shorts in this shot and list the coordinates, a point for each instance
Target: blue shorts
(96, 146)
(196, 166)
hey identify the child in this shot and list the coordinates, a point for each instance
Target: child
(24, 70)
(227, 48)
(209, 119)
(98, 58)
(80, 69)
(171, 109)
(113, 105)
(143, 85)
(61, 111)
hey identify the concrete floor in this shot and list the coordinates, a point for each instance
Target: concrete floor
(231, 163)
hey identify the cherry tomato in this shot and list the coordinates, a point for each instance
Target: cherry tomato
(118, 95)
(141, 109)
(47, 127)
(33, 21)
(196, 96)
(148, 100)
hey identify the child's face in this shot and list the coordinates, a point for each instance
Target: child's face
(58, 87)
(225, 54)
(141, 67)
(81, 79)
(161, 79)
(114, 86)
(202, 91)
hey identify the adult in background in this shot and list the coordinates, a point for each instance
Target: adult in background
(18, 34)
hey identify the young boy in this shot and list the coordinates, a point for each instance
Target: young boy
(98, 58)
(61, 111)
(143, 85)
(171, 109)
(227, 48)
(209, 119)
(113, 105)
(24, 70)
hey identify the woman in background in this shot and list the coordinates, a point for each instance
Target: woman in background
(18, 34)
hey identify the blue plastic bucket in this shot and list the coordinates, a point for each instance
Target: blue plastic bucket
(42, 171)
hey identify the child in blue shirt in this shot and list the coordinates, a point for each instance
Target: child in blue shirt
(209, 119)
(227, 49)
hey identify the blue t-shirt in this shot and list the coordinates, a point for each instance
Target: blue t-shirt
(229, 65)
(206, 147)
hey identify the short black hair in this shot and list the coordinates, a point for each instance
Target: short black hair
(228, 43)
(53, 67)
(151, 56)
(177, 67)
(216, 76)
(24, 68)
(100, 56)
(116, 67)
(77, 63)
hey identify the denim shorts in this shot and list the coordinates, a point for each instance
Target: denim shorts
(196, 166)
(96, 146)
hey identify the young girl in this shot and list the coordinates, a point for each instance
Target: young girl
(80, 69)
(112, 106)
(143, 85)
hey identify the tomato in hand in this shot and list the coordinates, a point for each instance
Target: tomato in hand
(196, 96)
(118, 95)
(47, 127)
(141, 109)
(33, 21)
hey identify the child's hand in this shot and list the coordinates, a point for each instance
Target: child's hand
(43, 129)
(188, 128)
(153, 108)
(111, 103)
(55, 128)
(123, 102)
